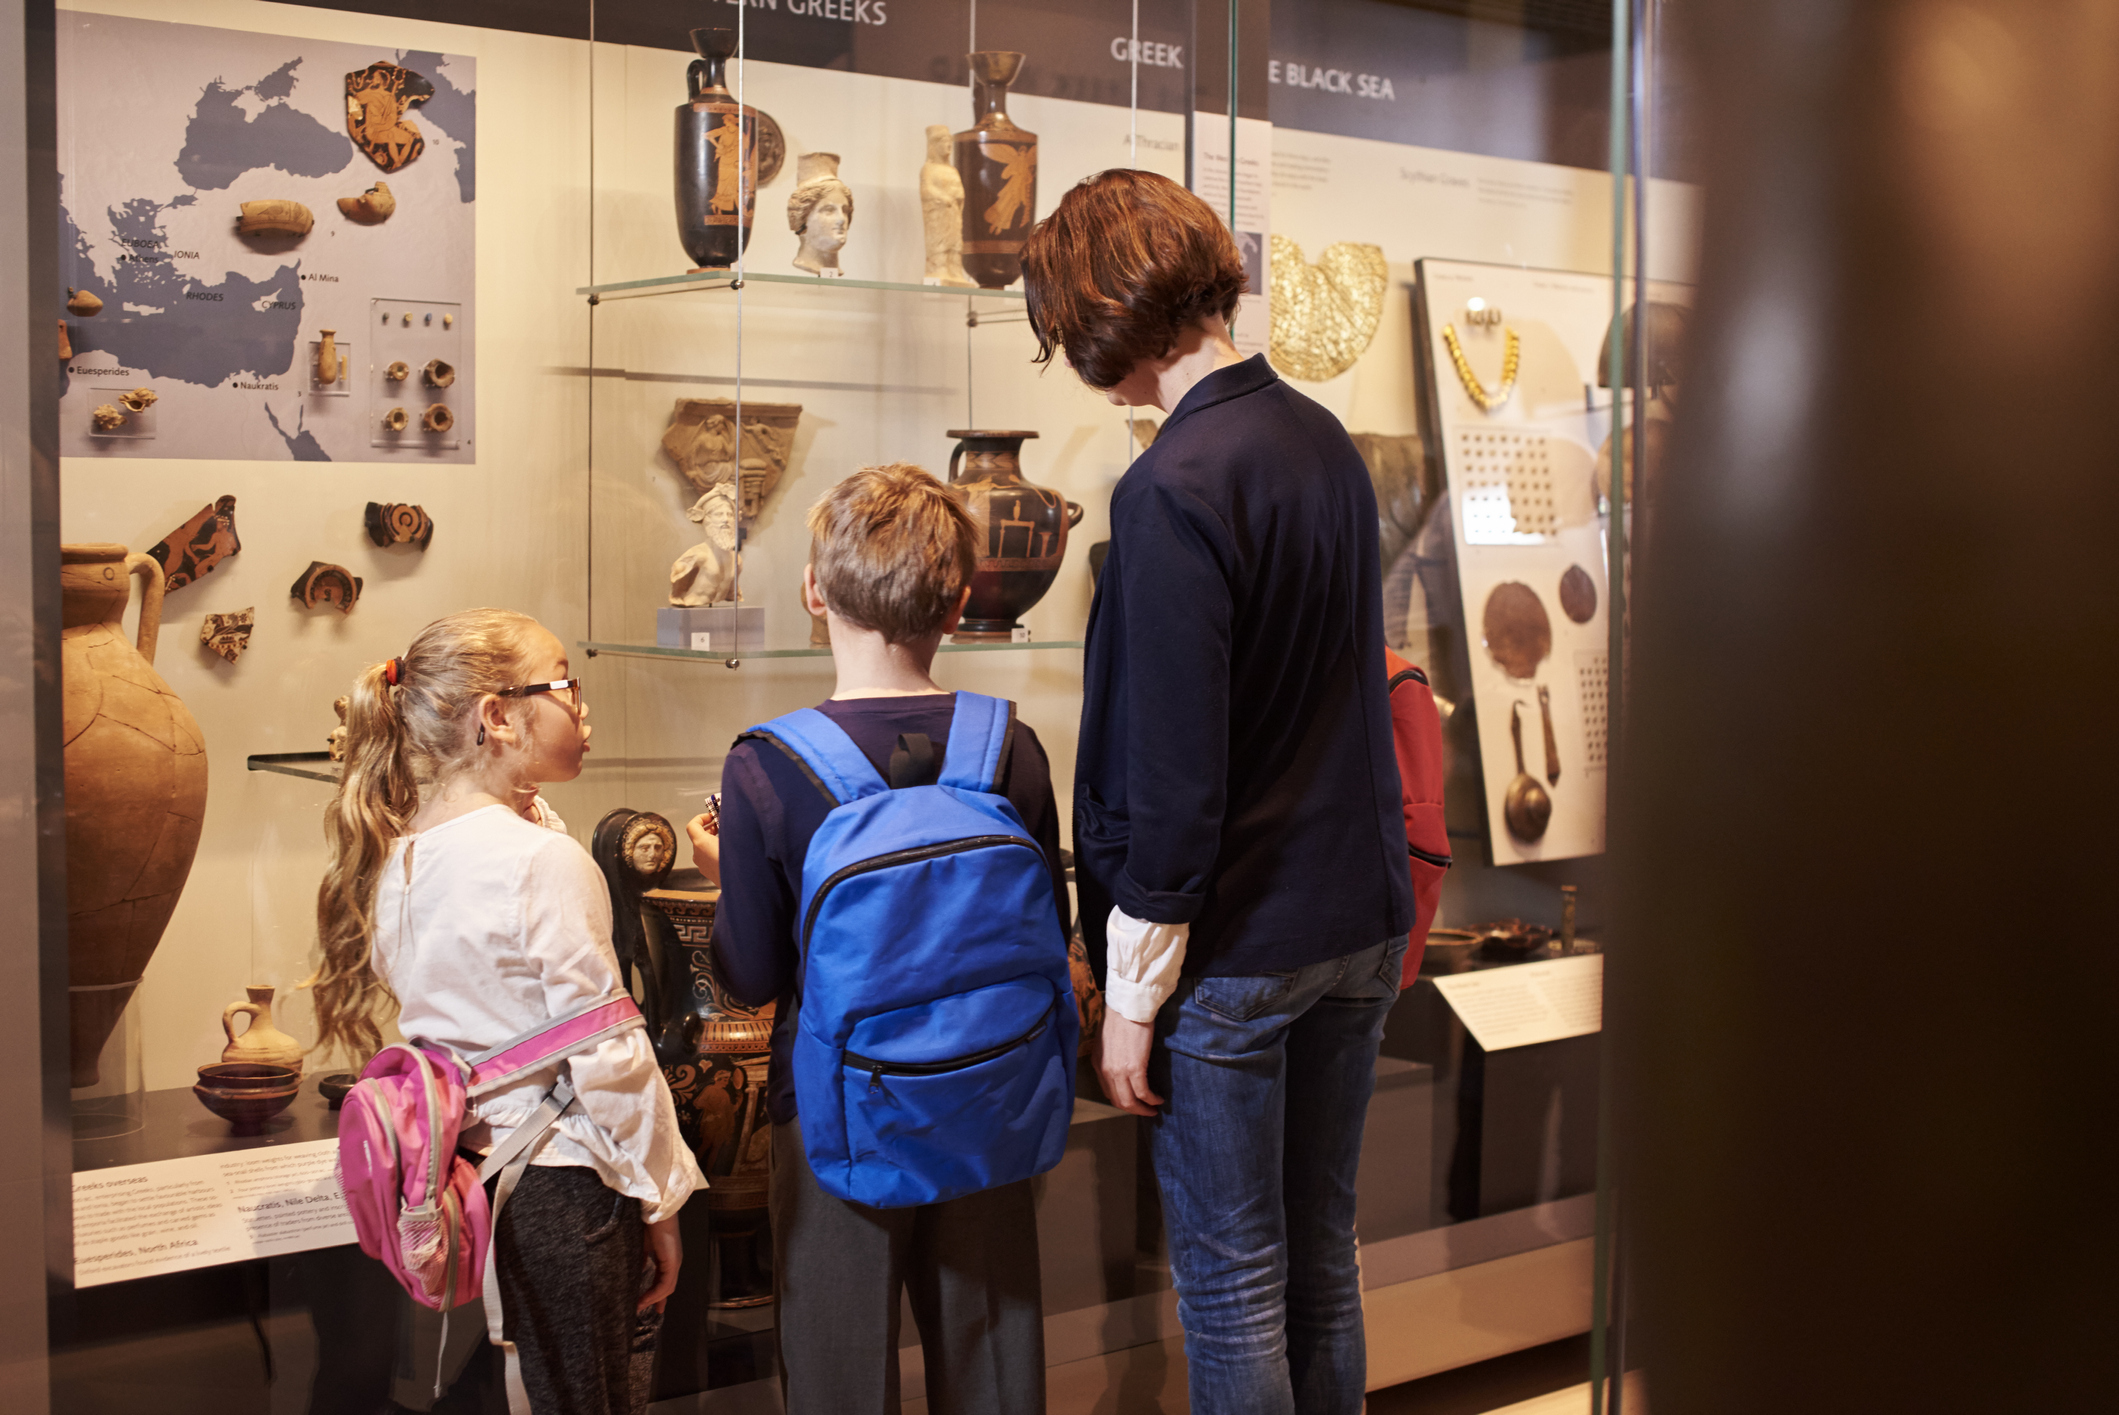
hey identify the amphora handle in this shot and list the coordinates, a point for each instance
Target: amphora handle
(956, 455)
(150, 571)
(228, 1017)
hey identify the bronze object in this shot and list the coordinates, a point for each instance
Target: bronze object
(1578, 595)
(1526, 808)
(1518, 633)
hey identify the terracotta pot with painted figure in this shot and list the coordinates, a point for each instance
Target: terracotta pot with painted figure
(135, 789)
(1024, 529)
(725, 151)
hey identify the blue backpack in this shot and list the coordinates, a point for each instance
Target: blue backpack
(935, 1043)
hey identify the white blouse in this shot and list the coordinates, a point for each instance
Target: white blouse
(487, 926)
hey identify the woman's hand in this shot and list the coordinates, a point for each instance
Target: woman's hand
(1122, 1049)
(706, 845)
(665, 1249)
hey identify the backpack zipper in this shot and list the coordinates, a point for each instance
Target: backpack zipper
(877, 1070)
(902, 857)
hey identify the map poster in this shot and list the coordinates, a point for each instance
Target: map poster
(165, 131)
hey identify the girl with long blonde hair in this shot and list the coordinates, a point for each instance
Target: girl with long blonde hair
(454, 894)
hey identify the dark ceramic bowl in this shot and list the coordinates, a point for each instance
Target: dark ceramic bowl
(245, 1094)
(335, 1087)
(1448, 950)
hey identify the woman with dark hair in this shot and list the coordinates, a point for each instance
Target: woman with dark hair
(1242, 866)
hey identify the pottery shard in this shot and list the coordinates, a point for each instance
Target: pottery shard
(140, 399)
(84, 303)
(395, 523)
(228, 634)
(325, 583)
(379, 103)
(274, 218)
(194, 548)
(107, 418)
(370, 208)
(701, 440)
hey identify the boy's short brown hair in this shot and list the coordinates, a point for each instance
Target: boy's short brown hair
(1124, 264)
(893, 549)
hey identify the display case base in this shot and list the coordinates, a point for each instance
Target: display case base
(715, 627)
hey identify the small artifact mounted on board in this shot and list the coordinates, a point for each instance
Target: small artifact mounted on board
(335, 740)
(194, 548)
(396, 523)
(371, 208)
(228, 634)
(379, 103)
(324, 583)
(274, 218)
(84, 303)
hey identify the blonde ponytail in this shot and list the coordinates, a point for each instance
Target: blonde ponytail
(399, 737)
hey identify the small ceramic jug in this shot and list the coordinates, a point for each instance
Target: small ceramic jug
(261, 1043)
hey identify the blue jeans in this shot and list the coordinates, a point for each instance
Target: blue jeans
(1267, 1080)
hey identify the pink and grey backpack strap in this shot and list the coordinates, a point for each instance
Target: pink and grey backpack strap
(562, 1037)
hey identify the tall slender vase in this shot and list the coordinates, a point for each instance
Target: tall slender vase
(135, 789)
(998, 162)
(717, 158)
(1023, 529)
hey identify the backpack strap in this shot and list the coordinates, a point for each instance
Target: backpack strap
(834, 765)
(980, 733)
(579, 1030)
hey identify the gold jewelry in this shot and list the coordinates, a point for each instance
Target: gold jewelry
(1324, 315)
(1511, 358)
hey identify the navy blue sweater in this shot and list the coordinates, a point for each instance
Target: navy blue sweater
(1235, 770)
(769, 811)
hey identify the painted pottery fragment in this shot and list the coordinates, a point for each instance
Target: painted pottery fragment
(228, 634)
(379, 102)
(135, 789)
(396, 523)
(324, 583)
(370, 208)
(274, 218)
(194, 548)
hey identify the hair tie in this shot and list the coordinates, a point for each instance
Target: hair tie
(393, 671)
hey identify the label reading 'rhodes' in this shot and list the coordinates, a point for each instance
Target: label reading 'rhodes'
(137, 1220)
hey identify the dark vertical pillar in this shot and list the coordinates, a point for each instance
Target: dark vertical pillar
(1865, 994)
(36, 1242)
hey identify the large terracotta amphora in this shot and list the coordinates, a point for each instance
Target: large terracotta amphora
(135, 790)
(1023, 530)
(998, 162)
(717, 158)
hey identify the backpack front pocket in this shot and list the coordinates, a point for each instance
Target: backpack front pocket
(959, 1094)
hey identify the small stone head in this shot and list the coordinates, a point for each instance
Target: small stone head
(820, 209)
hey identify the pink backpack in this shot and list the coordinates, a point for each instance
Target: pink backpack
(416, 1203)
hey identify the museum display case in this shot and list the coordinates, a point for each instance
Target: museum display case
(408, 294)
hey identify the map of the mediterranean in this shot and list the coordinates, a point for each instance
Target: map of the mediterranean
(164, 131)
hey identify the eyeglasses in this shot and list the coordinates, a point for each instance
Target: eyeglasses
(567, 690)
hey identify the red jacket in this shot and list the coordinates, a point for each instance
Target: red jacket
(1416, 737)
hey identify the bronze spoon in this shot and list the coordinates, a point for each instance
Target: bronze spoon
(1526, 808)
(1552, 747)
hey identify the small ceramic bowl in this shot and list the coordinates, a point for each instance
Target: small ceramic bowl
(246, 1094)
(1448, 950)
(335, 1087)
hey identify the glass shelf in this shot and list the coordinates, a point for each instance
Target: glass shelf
(598, 649)
(296, 764)
(726, 280)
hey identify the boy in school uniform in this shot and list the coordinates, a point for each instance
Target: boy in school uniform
(892, 557)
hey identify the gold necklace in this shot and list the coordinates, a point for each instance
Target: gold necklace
(1511, 357)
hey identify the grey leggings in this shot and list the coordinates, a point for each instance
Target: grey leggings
(569, 1251)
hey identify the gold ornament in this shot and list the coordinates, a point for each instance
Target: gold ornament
(1324, 315)
(1511, 358)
